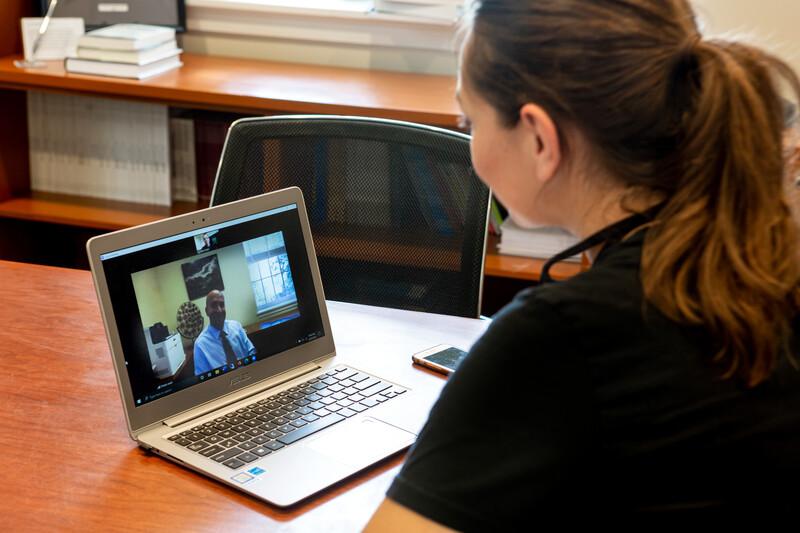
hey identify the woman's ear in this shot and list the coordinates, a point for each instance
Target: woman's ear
(542, 133)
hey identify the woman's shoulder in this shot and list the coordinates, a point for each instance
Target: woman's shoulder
(613, 286)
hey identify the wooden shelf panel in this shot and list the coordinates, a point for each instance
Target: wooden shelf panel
(262, 87)
(524, 268)
(87, 212)
(109, 215)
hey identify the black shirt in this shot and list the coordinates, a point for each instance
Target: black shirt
(581, 401)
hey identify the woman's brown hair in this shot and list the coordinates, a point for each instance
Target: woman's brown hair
(697, 122)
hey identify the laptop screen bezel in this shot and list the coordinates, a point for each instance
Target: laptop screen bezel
(143, 416)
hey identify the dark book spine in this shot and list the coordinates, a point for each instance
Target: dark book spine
(209, 137)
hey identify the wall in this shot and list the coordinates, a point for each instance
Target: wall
(161, 290)
(342, 55)
(771, 23)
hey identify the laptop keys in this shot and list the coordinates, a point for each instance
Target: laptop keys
(311, 428)
(227, 454)
(234, 463)
(267, 425)
(369, 402)
(197, 446)
(247, 457)
(260, 451)
(346, 374)
(375, 389)
(208, 452)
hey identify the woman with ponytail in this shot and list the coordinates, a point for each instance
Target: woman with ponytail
(663, 382)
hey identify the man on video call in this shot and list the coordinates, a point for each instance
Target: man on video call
(223, 341)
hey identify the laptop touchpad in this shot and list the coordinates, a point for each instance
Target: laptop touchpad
(363, 443)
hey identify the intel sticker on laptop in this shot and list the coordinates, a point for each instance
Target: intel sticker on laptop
(244, 477)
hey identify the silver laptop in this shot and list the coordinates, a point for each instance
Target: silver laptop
(224, 354)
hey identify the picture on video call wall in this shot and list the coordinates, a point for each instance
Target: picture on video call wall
(186, 306)
(202, 276)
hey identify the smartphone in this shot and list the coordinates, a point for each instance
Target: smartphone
(442, 358)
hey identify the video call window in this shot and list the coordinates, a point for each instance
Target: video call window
(253, 279)
(206, 241)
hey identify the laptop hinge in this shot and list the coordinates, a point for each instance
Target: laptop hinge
(224, 401)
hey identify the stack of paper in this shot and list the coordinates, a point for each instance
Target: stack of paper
(127, 51)
(541, 242)
(99, 147)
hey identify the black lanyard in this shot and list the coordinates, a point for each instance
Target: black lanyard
(608, 235)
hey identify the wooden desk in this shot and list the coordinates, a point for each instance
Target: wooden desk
(68, 463)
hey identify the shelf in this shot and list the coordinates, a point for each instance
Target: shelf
(112, 215)
(262, 87)
(416, 250)
(87, 212)
(524, 268)
(243, 86)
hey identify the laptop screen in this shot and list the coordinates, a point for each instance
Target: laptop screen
(194, 306)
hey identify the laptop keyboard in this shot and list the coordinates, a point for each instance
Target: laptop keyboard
(268, 425)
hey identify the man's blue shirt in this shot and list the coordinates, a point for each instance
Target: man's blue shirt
(208, 351)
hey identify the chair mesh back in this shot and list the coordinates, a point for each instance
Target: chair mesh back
(397, 214)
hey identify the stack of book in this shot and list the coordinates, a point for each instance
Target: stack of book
(541, 242)
(135, 51)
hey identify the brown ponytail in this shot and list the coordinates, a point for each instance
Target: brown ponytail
(698, 123)
(724, 253)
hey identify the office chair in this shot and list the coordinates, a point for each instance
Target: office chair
(397, 213)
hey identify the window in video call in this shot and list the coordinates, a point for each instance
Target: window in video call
(192, 307)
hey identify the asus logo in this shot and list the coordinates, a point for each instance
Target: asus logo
(239, 379)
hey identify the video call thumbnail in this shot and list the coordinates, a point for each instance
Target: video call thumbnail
(200, 314)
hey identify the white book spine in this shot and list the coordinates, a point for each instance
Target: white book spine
(99, 147)
(184, 167)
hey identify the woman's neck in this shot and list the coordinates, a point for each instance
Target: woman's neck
(602, 210)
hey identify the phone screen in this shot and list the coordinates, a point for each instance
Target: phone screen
(449, 358)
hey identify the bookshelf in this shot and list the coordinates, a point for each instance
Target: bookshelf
(244, 86)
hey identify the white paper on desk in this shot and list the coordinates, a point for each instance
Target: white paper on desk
(58, 42)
